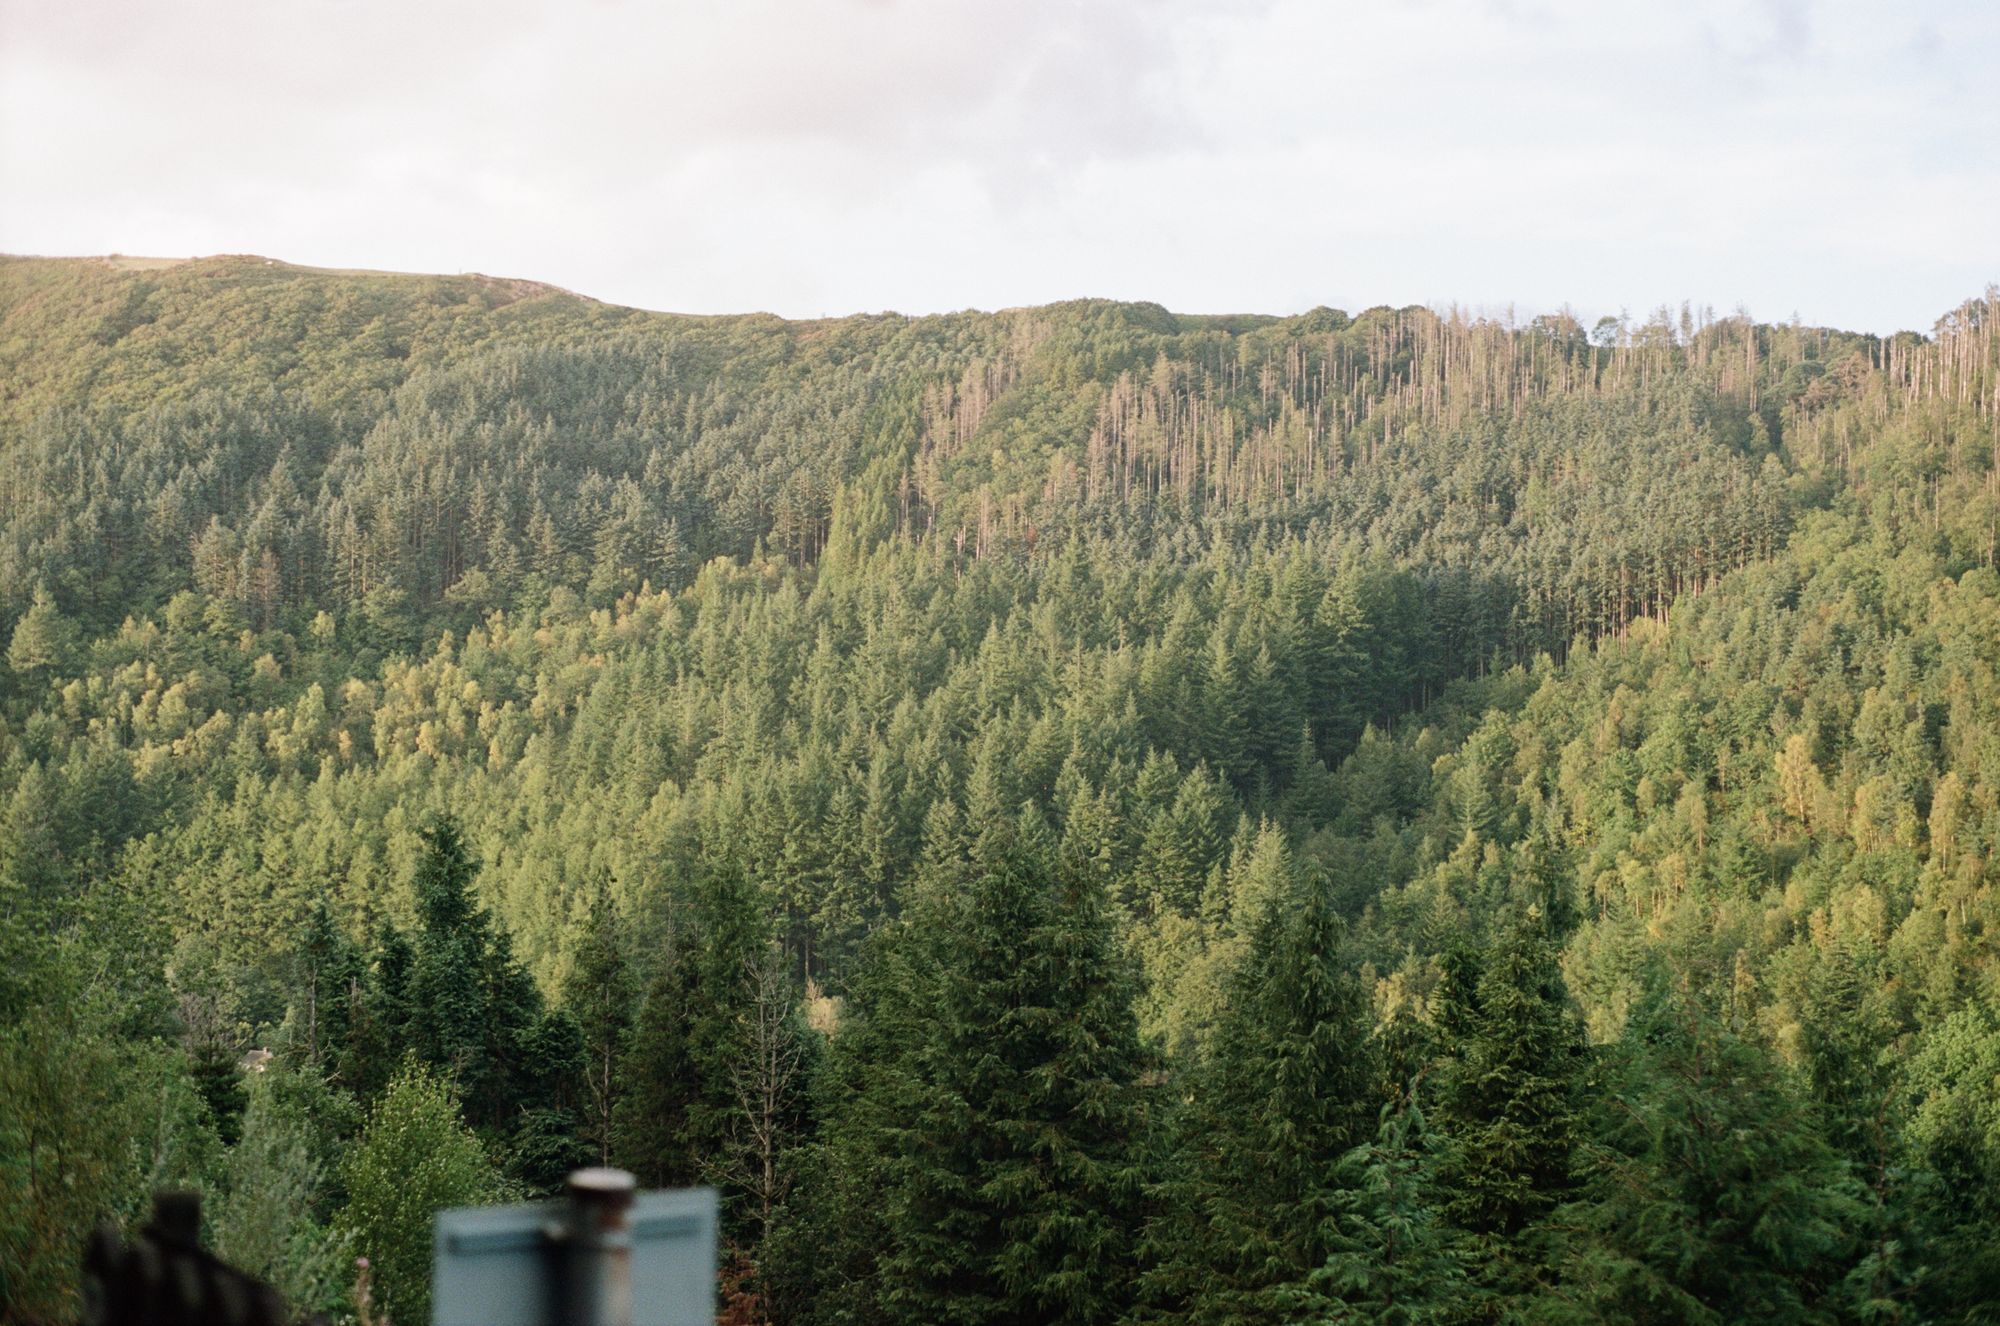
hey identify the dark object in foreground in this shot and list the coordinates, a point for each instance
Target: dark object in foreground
(162, 1277)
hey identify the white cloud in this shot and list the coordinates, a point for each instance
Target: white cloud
(819, 156)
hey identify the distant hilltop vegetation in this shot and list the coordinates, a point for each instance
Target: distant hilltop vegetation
(1073, 814)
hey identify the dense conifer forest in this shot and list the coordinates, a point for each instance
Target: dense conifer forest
(1070, 815)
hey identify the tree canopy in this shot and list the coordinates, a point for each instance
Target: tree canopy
(1078, 813)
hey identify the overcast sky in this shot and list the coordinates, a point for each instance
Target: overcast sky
(1840, 161)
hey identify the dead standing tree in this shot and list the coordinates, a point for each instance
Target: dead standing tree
(766, 1080)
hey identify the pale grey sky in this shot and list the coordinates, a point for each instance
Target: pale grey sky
(1838, 160)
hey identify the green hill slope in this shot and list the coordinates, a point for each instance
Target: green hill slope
(1528, 697)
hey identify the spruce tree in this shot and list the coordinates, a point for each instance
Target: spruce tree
(473, 1007)
(379, 1023)
(1710, 1194)
(325, 971)
(44, 640)
(599, 993)
(1513, 1090)
(672, 1118)
(651, 1134)
(1393, 1259)
(446, 979)
(1510, 1086)
(545, 1137)
(1288, 1092)
(821, 1262)
(1000, 1129)
(511, 1072)
(219, 1080)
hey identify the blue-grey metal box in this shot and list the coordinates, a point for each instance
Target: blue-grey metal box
(499, 1265)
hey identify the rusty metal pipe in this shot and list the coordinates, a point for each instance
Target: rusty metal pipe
(598, 1252)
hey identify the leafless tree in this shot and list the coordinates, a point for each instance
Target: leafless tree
(765, 1079)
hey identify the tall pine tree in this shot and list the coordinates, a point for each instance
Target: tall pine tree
(599, 993)
(1710, 1195)
(671, 1121)
(998, 1127)
(1393, 1259)
(473, 1010)
(1289, 1091)
(1513, 1082)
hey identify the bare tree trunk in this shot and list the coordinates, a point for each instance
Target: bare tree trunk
(765, 1080)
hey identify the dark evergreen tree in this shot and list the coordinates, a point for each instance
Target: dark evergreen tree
(599, 994)
(672, 1117)
(379, 1024)
(1000, 1132)
(1249, 1204)
(218, 1079)
(651, 1130)
(447, 997)
(1710, 1194)
(822, 1259)
(1513, 1089)
(546, 1138)
(326, 972)
(1393, 1259)
(473, 1010)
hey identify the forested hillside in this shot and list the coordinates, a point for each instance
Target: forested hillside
(1077, 814)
